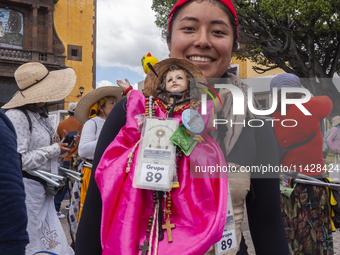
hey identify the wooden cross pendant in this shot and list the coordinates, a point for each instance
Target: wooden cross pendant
(144, 247)
(168, 226)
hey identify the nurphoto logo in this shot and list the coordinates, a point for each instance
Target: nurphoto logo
(239, 103)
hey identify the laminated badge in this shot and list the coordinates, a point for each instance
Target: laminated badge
(228, 242)
(157, 155)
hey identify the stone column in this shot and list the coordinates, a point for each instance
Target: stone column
(50, 29)
(35, 8)
(35, 53)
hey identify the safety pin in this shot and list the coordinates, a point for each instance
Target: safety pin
(164, 118)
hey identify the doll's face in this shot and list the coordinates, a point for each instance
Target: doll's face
(176, 81)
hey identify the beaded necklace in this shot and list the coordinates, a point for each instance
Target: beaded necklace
(46, 123)
(156, 219)
(178, 109)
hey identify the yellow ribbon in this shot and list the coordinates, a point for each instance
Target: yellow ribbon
(332, 201)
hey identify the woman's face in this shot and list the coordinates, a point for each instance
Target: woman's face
(108, 106)
(176, 81)
(202, 33)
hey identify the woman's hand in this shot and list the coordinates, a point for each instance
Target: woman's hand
(123, 85)
(63, 148)
(75, 141)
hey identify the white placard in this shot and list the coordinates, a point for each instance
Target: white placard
(154, 173)
(156, 162)
(227, 243)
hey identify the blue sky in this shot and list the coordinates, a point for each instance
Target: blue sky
(107, 76)
(126, 31)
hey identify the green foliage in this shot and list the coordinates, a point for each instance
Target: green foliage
(162, 9)
(299, 36)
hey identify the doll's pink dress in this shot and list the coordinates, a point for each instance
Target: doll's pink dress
(199, 205)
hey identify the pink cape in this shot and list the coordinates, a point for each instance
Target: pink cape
(199, 205)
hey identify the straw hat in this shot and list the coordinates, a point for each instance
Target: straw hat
(36, 85)
(87, 101)
(335, 121)
(152, 81)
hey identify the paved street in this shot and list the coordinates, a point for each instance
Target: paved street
(245, 228)
(64, 222)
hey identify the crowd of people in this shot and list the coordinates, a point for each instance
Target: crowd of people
(139, 155)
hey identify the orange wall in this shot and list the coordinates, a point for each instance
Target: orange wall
(246, 69)
(74, 22)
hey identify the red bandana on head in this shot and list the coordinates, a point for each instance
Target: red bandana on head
(228, 3)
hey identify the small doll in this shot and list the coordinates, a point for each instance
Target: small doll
(188, 219)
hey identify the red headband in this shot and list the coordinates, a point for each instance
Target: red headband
(228, 3)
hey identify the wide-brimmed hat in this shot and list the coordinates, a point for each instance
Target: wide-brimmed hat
(152, 81)
(90, 98)
(37, 85)
(335, 121)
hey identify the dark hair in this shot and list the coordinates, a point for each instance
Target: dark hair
(191, 94)
(219, 4)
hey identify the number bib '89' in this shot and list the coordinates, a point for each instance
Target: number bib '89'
(228, 242)
(155, 166)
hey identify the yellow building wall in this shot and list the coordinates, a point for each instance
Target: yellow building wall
(246, 69)
(74, 22)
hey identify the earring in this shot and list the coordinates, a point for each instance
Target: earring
(231, 61)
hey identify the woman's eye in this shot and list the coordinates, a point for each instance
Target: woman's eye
(219, 32)
(169, 80)
(180, 78)
(188, 28)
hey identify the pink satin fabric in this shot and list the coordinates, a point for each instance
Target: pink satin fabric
(199, 205)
